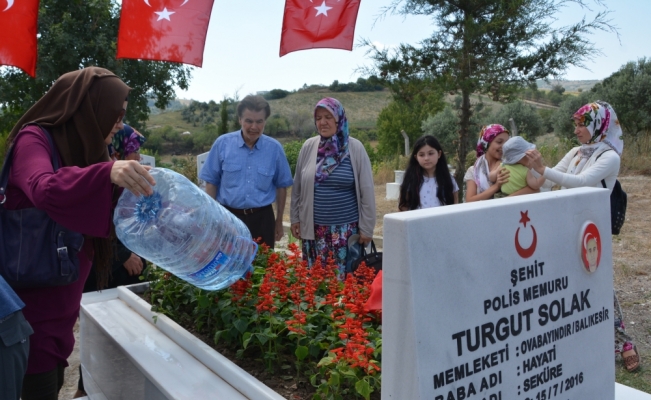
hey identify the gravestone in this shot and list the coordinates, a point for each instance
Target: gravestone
(201, 160)
(501, 299)
(147, 160)
(393, 188)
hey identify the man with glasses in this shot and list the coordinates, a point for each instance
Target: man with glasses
(246, 171)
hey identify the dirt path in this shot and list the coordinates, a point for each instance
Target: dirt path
(631, 255)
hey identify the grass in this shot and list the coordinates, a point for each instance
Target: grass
(636, 155)
(362, 108)
(171, 118)
(640, 379)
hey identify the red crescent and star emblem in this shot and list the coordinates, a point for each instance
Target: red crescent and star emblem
(528, 252)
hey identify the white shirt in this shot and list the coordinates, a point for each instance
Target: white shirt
(606, 167)
(428, 192)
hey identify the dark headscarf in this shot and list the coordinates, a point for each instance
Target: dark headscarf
(79, 111)
(125, 142)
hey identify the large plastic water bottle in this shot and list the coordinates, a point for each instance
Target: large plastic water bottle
(186, 232)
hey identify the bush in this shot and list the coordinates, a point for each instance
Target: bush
(629, 92)
(203, 139)
(444, 126)
(292, 149)
(301, 123)
(529, 123)
(276, 125)
(562, 118)
(275, 94)
(154, 141)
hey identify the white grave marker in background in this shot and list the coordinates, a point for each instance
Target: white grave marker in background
(147, 160)
(201, 160)
(495, 300)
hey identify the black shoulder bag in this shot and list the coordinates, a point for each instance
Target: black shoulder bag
(618, 201)
(35, 251)
(372, 259)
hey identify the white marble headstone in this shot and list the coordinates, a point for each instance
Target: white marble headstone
(501, 299)
(147, 160)
(201, 160)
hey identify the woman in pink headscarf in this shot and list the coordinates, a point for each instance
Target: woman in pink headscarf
(489, 157)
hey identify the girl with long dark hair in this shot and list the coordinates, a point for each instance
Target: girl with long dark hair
(427, 181)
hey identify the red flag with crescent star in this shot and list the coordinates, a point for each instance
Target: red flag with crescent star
(18, 24)
(312, 24)
(164, 30)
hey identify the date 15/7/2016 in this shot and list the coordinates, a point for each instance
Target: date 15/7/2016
(558, 388)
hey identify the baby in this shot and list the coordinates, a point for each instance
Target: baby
(515, 161)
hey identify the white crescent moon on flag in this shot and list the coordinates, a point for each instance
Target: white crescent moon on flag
(9, 4)
(184, 1)
(147, 2)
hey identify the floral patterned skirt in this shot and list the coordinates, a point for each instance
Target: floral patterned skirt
(330, 238)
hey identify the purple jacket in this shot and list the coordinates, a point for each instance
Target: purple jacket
(77, 198)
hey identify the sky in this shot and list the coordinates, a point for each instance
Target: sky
(242, 46)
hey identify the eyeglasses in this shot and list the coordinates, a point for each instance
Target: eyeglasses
(121, 116)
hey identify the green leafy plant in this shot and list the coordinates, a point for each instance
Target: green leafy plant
(294, 318)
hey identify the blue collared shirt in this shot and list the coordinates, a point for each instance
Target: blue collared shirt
(9, 300)
(246, 177)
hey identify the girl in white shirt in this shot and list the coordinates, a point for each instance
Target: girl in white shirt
(427, 181)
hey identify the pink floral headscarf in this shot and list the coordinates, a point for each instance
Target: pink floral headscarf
(602, 123)
(333, 150)
(486, 136)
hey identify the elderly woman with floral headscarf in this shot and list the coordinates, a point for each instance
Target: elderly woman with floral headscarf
(489, 157)
(333, 194)
(126, 144)
(592, 164)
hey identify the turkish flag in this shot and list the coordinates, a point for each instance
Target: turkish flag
(312, 24)
(18, 24)
(164, 30)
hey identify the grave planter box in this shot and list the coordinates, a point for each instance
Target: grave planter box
(127, 351)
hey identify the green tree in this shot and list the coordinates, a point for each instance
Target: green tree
(629, 92)
(413, 101)
(489, 46)
(276, 125)
(529, 123)
(223, 118)
(204, 139)
(77, 33)
(276, 94)
(292, 150)
(154, 141)
(444, 126)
